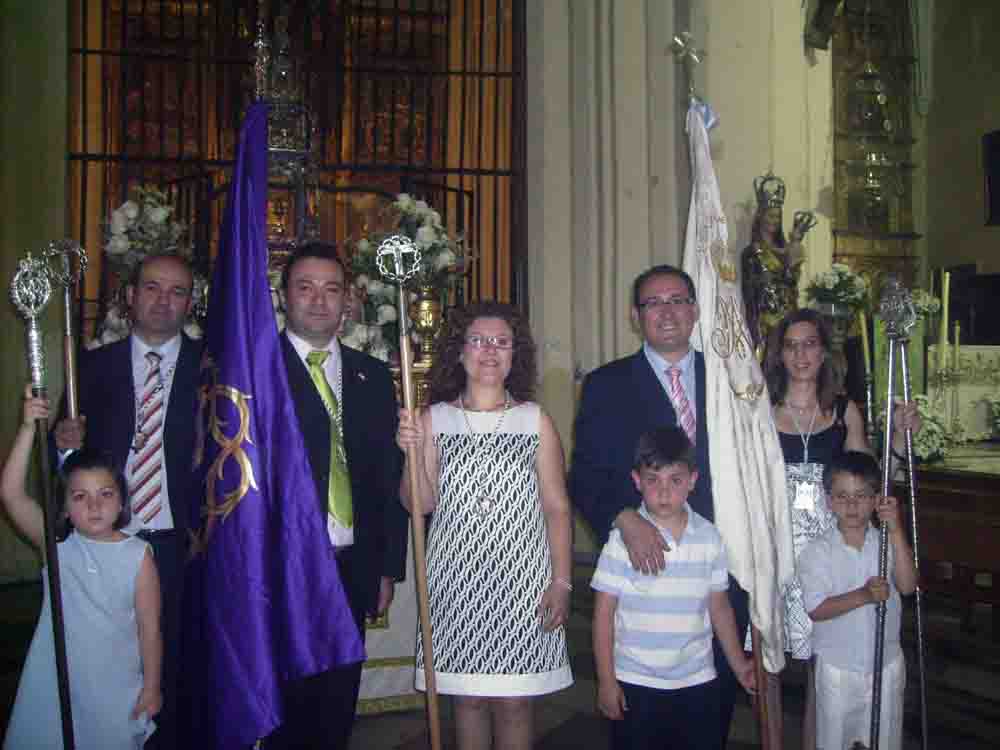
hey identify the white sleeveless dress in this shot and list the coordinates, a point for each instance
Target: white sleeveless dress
(488, 560)
(102, 653)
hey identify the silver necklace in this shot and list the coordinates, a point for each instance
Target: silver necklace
(804, 436)
(140, 408)
(338, 418)
(483, 503)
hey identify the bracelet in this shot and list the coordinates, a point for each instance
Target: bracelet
(563, 582)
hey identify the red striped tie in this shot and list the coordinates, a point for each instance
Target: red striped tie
(144, 479)
(685, 417)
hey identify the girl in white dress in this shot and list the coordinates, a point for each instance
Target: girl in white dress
(490, 467)
(111, 609)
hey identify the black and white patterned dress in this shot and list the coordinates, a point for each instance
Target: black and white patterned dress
(488, 563)
(808, 524)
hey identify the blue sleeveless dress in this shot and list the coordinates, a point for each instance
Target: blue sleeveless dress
(98, 582)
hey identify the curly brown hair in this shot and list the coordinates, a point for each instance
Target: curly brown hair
(827, 387)
(447, 375)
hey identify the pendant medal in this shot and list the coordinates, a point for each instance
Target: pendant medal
(140, 441)
(484, 505)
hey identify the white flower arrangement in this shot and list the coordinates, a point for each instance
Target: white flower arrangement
(840, 285)
(934, 439)
(442, 266)
(142, 226)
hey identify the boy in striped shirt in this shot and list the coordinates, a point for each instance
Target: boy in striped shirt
(653, 633)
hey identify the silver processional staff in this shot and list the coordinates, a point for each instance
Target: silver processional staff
(30, 290)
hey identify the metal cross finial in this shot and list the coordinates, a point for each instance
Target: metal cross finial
(398, 248)
(896, 308)
(30, 290)
(686, 53)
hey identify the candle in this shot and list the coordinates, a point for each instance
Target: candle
(943, 335)
(865, 351)
(958, 336)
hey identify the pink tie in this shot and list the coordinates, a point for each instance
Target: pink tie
(144, 481)
(681, 405)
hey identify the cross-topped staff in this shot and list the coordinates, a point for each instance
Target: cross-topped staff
(688, 55)
(899, 315)
(67, 275)
(398, 261)
(30, 290)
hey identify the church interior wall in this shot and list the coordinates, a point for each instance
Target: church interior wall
(33, 87)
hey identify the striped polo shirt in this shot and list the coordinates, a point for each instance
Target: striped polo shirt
(663, 634)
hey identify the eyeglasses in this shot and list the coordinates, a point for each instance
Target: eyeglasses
(793, 346)
(858, 498)
(655, 303)
(494, 342)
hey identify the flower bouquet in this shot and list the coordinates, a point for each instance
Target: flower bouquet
(839, 286)
(442, 266)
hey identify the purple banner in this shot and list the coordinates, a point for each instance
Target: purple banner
(264, 602)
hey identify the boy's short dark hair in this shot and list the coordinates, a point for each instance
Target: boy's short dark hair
(661, 447)
(857, 464)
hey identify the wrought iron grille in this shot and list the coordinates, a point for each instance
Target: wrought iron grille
(417, 96)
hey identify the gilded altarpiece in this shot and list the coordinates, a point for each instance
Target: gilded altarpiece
(873, 61)
(416, 96)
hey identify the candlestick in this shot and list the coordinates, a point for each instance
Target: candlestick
(943, 334)
(958, 335)
(865, 350)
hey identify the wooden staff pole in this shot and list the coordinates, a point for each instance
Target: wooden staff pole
(417, 521)
(768, 711)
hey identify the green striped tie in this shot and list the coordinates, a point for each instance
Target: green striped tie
(339, 491)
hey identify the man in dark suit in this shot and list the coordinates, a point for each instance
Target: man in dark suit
(137, 404)
(360, 420)
(661, 384)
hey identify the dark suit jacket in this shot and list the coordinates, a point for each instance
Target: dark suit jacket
(107, 399)
(620, 401)
(374, 461)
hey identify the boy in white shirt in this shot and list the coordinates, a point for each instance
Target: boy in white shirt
(653, 633)
(841, 587)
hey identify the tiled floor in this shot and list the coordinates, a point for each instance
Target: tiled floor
(963, 686)
(963, 692)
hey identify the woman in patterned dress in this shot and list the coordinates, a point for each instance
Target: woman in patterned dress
(816, 423)
(490, 468)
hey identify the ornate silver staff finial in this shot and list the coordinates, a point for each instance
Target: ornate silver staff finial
(30, 290)
(60, 254)
(896, 308)
(397, 247)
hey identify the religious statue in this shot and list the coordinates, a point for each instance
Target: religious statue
(771, 265)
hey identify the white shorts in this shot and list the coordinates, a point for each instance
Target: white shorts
(844, 703)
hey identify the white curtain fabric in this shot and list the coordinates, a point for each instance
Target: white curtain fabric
(748, 469)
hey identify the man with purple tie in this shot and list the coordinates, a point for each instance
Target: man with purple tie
(661, 384)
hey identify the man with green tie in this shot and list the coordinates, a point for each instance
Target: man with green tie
(346, 407)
